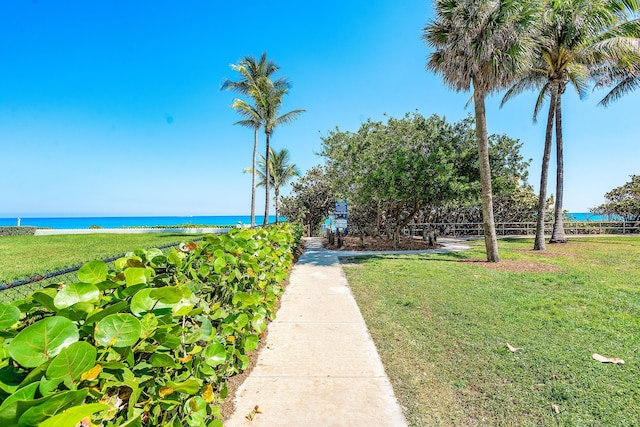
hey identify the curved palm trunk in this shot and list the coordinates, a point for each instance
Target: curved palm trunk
(490, 239)
(266, 180)
(539, 244)
(253, 178)
(558, 235)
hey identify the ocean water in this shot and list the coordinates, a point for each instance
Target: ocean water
(588, 216)
(132, 221)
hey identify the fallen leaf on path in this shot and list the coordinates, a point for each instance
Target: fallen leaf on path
(251, 415)
(603, 359)
(512, 349)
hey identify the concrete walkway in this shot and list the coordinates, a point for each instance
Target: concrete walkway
(319, 367)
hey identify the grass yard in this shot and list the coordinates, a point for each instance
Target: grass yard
(22, 256)
(442, 324)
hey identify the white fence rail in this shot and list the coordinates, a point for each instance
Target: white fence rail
(207, 230)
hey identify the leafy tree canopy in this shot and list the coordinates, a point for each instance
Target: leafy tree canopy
(623, 201)
(395, 172)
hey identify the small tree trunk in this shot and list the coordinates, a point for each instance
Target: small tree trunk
(267, 178)
(539, 244)
(490, 238)
(253, 177)
(276, 193)
(396, 237)
(558, 235)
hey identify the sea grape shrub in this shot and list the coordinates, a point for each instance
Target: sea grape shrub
(148, 342)
(17, 231)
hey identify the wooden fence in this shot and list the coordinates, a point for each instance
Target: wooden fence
(522, 228)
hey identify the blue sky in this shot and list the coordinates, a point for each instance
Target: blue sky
(114, 107)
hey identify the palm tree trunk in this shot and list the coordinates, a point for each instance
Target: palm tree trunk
(276, 194)
(539, 244)
(253, 178)
(558, 235)
(267, 178)
(490, 239)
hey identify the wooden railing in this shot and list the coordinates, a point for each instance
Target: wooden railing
(523, 228)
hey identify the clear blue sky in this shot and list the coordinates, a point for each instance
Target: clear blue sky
(114, 107)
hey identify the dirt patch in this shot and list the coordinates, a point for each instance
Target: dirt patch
(228, 406)
(352, 243)
(559, 249)
(515, 266)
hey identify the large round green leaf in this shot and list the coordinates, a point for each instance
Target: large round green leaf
(43, 340)
(190, 386)
(136, 275)
(52, 406)
(215, 354)
(73, 415)
(251, 342)
(72, 361)
(118, 330)
(93, 272)
(128, 261)
(76, 292)
(142, 303)
(9, 315)
(9, 409)
(167, 294)
(152, 253)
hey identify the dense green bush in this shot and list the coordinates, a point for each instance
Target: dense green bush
(17, 231)
(150, 342)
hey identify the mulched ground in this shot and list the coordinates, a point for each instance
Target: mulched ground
(352, 243)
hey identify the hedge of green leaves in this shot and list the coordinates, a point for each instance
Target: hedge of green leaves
(150, 342)
(17, 231)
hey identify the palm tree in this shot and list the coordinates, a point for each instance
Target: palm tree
(253, 120)
(269, 104)
(252, 72)
(281, 171)
(575, 38)
(479, 45)
(625, 77)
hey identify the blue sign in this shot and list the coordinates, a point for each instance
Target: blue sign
(341, 208)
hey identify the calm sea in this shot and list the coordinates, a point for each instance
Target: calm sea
(131, 221)
(588, 216)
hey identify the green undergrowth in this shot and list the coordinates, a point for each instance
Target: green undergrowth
(442, 328)
(24, 256)
(17, 231)
(150, 342)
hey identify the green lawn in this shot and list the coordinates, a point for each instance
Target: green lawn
(21, 256)
(442, 327)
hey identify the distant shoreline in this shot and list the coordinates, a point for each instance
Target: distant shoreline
(132, 221)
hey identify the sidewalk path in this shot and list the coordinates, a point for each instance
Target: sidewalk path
(319, 366)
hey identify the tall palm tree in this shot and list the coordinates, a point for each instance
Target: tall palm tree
(575, 38)
(252, 72)
(281, 171)
(269, 104)
(252, 120)
(479, 45)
